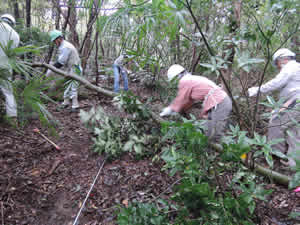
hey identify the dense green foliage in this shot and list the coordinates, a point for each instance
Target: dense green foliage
(116, 135)
(231, 42)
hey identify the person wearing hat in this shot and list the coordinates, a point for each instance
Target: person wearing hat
(216, 104)
(283, 124)
(8, 34)
(69, 60)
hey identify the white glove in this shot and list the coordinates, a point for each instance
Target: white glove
(166, 111)
(252, 91)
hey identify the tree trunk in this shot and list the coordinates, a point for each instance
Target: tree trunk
(194, 59)
(16, 10)
(178, 47)
(86, 44)
(234, 25)
(71, 19)
(64, 27)
(57, 23)
(57, 18)
(74, 38)
(102, 49)
(96, 58)
(28, 13)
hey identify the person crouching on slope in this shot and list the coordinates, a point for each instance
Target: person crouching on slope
(216, 106)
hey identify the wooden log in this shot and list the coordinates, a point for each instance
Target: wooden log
(273, 175)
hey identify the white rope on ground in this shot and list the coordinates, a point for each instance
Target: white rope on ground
(88, 194)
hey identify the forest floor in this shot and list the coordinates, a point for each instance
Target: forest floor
(40, 185)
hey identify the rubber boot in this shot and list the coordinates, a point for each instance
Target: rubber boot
(66, 102)
(75, 104)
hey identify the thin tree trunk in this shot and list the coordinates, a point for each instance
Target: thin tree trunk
(57, 23)
(71, 19)
(197, 61)
(64, 27)
(74, 38)
(16, 10)
(96, 58)
(28, 13)
(29, 55)
(194, 59)
(89, 53)
(178, 48)
(86, 43)
(102, 49)
(234, 25)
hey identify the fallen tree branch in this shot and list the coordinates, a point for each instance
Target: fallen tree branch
(277, 177)
(80, 79)
(88, 85)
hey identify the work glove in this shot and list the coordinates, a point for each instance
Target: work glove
(253, 91)
(167, 111)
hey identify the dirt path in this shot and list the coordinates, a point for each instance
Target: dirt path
(43, 186)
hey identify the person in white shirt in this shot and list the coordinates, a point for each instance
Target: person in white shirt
(8, 34)
(68, 58)
(118, 68)
(283, 124)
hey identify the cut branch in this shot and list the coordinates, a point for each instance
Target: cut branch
(87, 84)
(80, 79)
(273, 175)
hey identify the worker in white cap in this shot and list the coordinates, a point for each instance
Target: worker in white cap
(216, 104)
(8, 34)
(283, 124)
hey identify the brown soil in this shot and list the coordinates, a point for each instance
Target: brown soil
(44, 186)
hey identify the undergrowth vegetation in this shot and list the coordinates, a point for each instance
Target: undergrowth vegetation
(116, 135)
(230, 42)
(214, 188)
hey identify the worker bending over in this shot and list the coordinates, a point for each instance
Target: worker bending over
(284, 123)
(216, 106)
